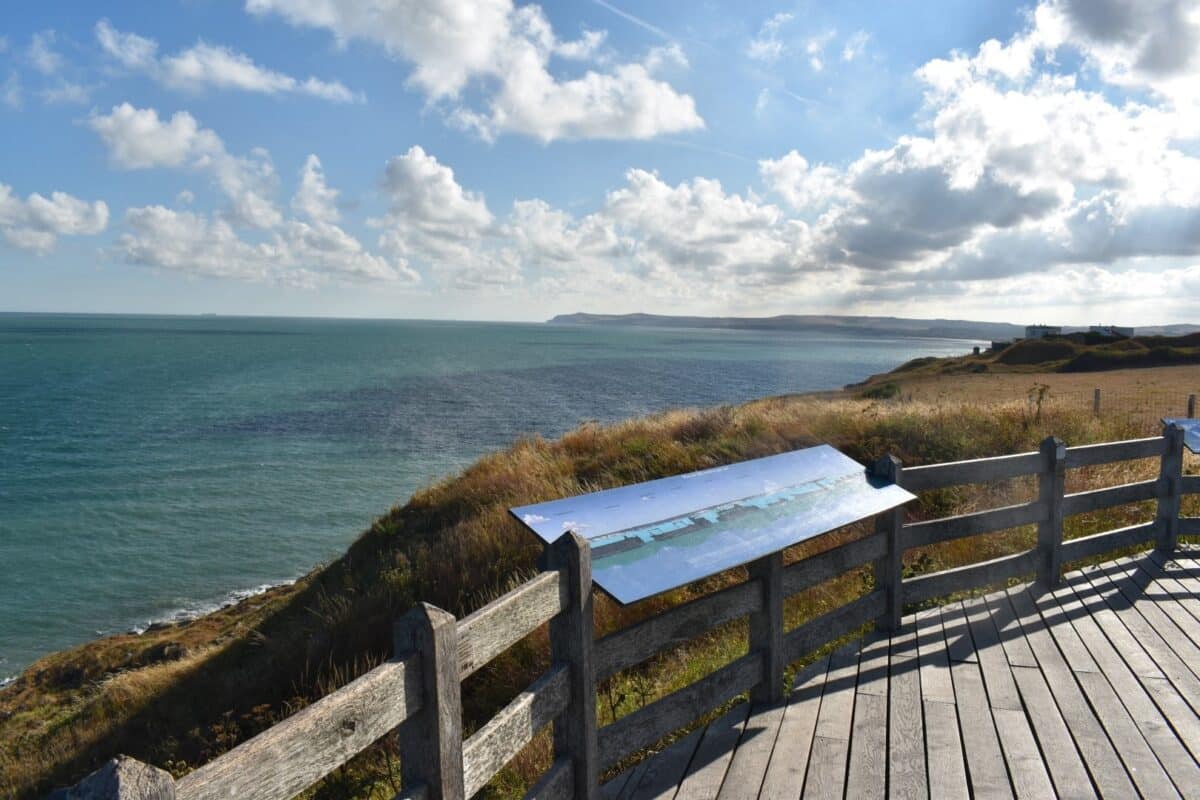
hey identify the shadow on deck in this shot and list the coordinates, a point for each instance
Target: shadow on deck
(1090, 690)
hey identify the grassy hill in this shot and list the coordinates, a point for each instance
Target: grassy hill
(1072, 353)
(181, 695)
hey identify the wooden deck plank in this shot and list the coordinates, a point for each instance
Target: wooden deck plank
(706, 773)
(1129, 692)
(867, 771)
(907, 776)
(660, 781)
(1088, 690)
(936, 684)
(789, 760)
(997, 675)
(1103, 764)
(947, 768)
(1168, 723)
(753, 753)
(986, 768)
(831, 745)
(1172, 666)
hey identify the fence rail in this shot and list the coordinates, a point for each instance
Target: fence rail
(418, 691)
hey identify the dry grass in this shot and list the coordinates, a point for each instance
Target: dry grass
(184, 695)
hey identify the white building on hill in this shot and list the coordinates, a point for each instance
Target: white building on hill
(1038, 331)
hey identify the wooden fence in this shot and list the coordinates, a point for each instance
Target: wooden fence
(418, 690)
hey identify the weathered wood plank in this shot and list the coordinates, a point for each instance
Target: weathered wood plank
(873, 664)
(491, 747)
(1171, 475)
(789, 761)
(1189, 484)
(121, 778)
(934, 659)
(766, 628)
(572, 644)
(665, 770)
(1088, 546)
(431, 742)
(810, 635)
(1012, 638)
(1063, 760)
(831, 563)
(706, 773)
(981, 744)
(997, 675)
(921, 534)
(1025, 765)
(1173, 667)
(947, 768)
(1051, 487)
(889, 568)
(831, 744)
(979, 470)
(1189, 526)
(1154, 727)
(640, 641)
(647, 725)
(907, 778)
(1090, 454)
(290, 756)
(491, 630)
(555, 784)
(867, 773)
(1083, 502)
(1102, 761)
(748, 766)
(971, 576)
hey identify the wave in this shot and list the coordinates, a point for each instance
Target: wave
(196, 610)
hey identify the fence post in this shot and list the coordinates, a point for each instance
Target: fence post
(889, 569)
(1170, 478)
(1052, 484)
(1191, 406)
(572, 641)
(766, 628)
(1096, 401)
(431, 741)
(122, 778)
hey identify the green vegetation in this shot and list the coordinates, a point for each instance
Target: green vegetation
(884, 391)
(1076, 352)
(179, 696)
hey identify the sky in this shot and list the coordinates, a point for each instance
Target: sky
(512, 161)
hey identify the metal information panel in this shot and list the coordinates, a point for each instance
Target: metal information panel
(1191, 431)
(650, 537)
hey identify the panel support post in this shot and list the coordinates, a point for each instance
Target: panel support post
(889, 573)
(1170, 480)
(1191, 406)
(431, 740)
(1096, 402)
(1052, 487)
(766, 628)
(572, 641)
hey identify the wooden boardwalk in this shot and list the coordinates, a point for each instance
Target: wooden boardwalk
(1090, 690)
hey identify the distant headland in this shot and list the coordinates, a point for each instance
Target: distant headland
(833, 323)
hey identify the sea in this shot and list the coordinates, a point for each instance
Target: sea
(155, 468)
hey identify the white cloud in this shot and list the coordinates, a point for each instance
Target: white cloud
(314, 199)
(11, 93)
(814, 48)
(139, 139)
(855, 45)
(507, 51)
(41, 53)
(36, 222)
(767, 46)
(205, 66)
(66, 93)
(805, 188)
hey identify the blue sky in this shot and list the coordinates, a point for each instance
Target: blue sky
(493, 160)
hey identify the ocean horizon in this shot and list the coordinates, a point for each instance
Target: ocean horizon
(154, 468)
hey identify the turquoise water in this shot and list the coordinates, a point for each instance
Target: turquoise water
(153, 467)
